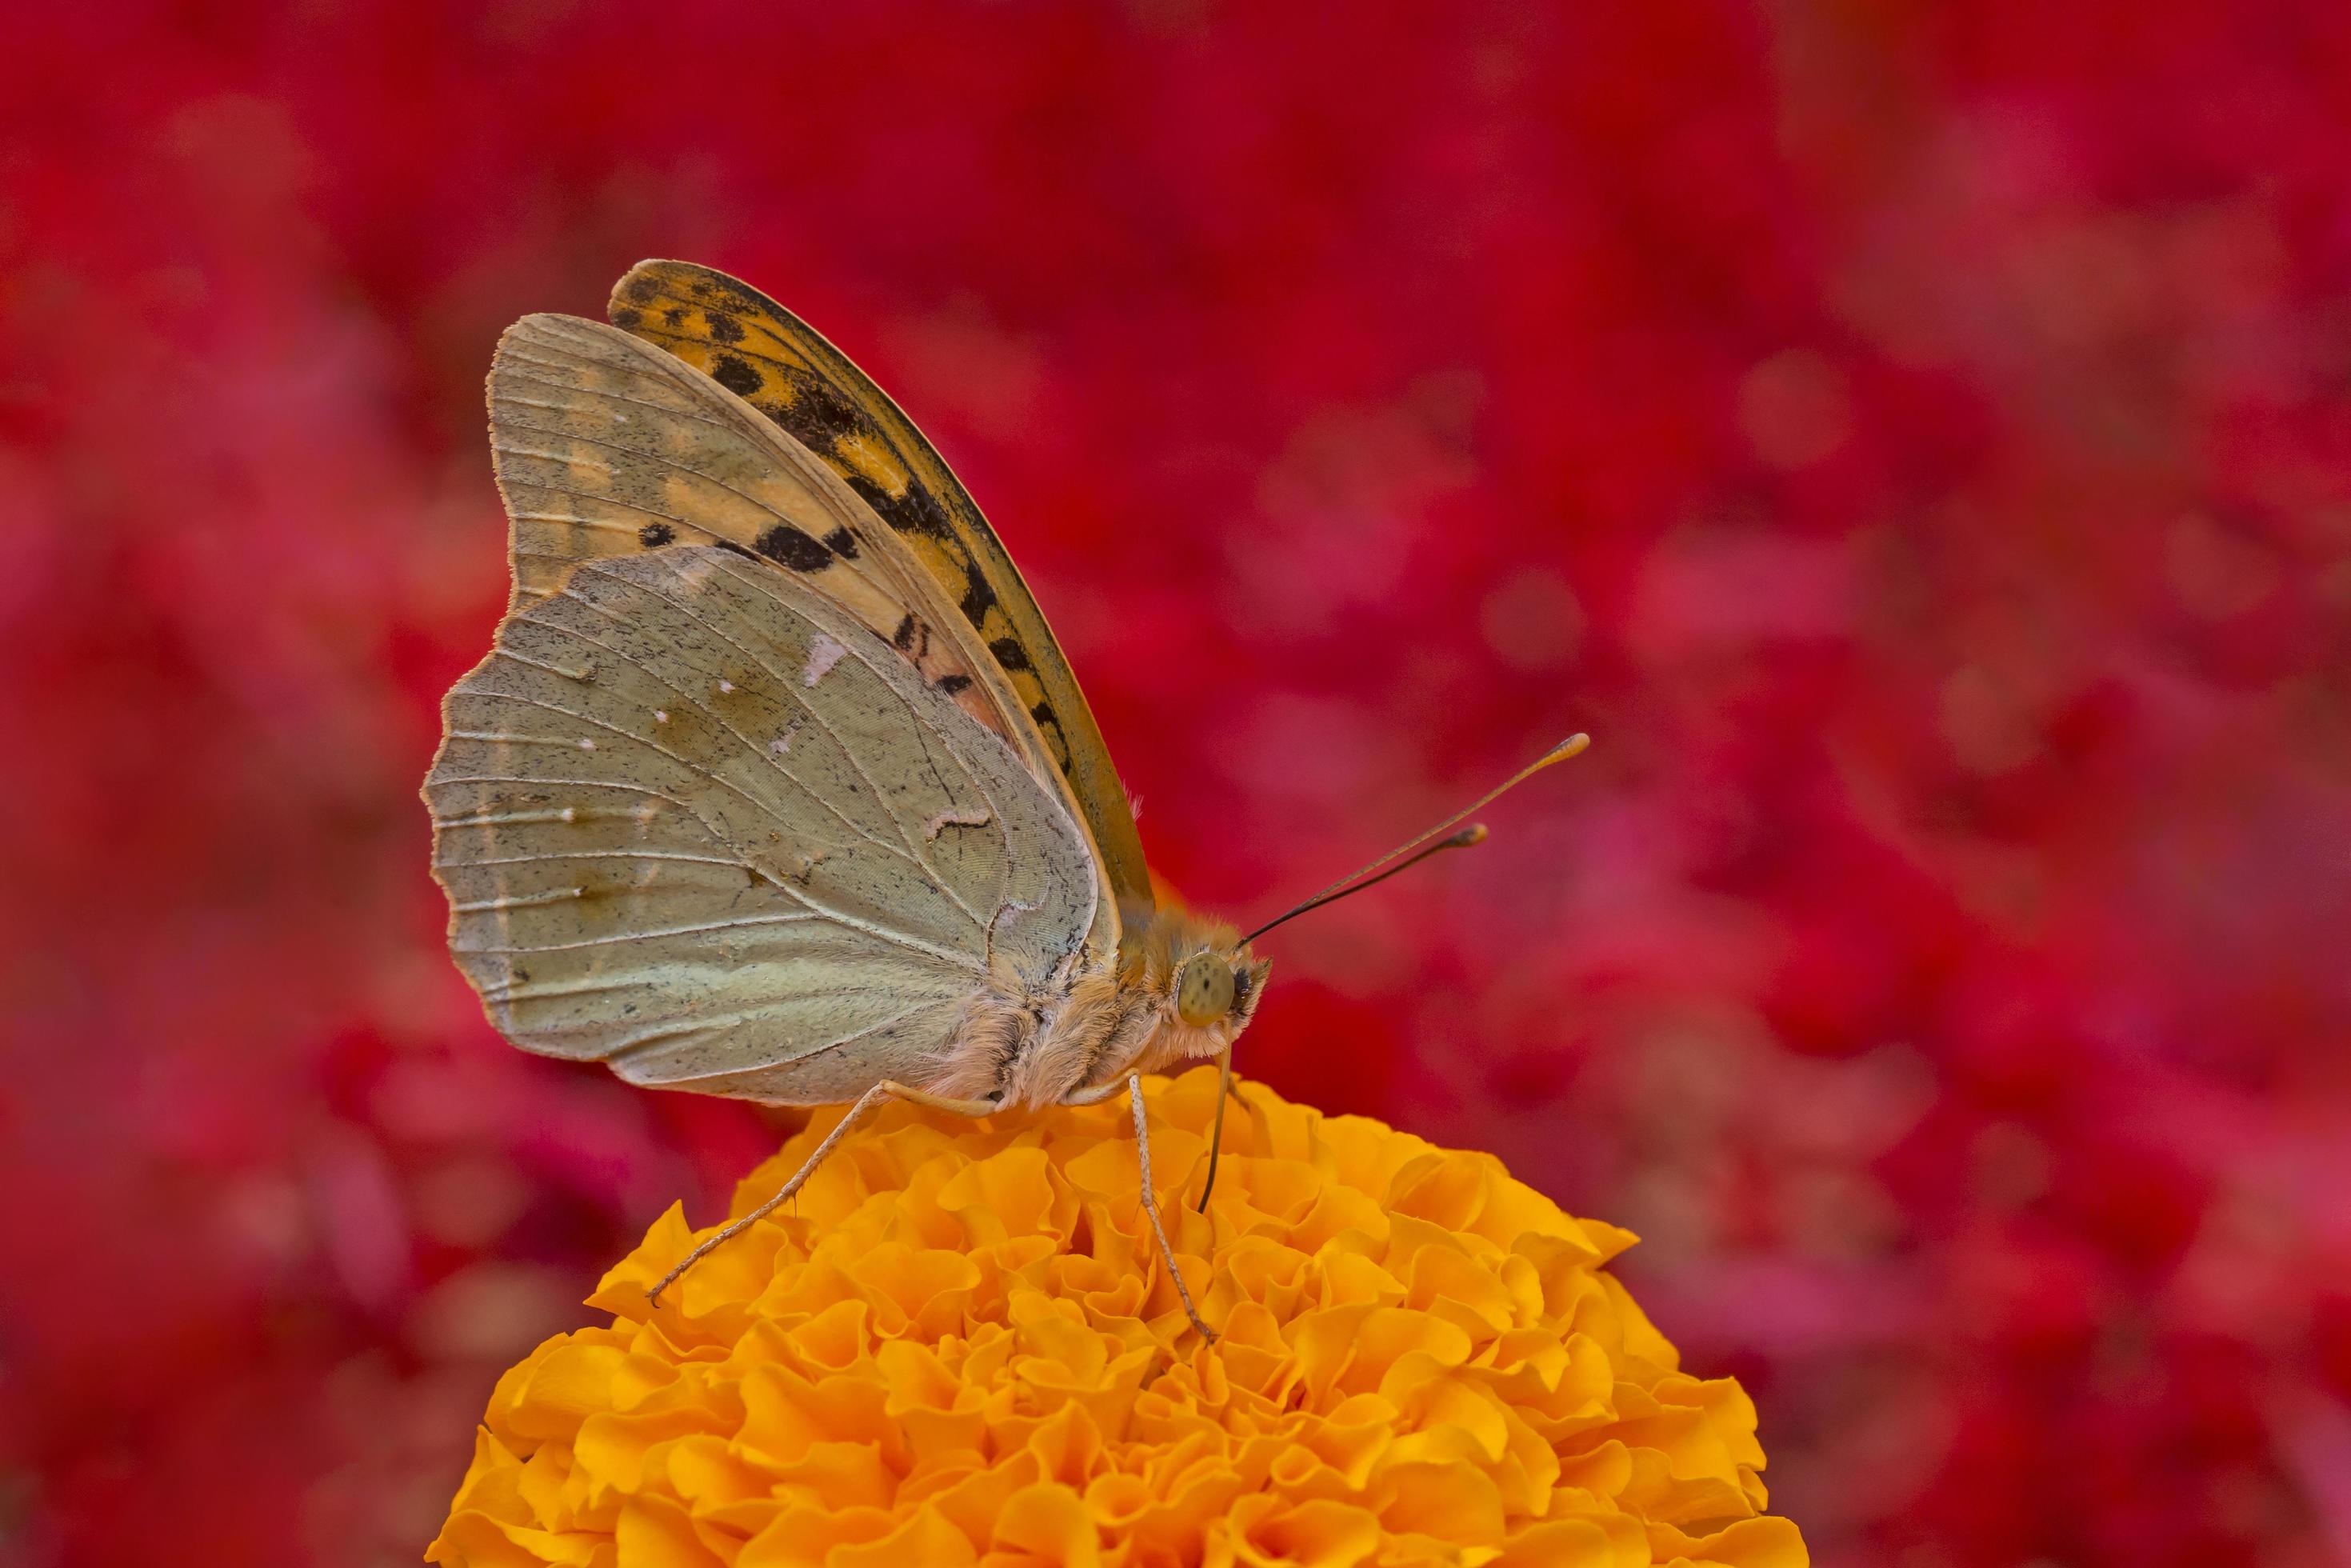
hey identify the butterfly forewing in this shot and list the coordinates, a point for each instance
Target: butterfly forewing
(604, 448)
(781, 366)
(595, 434)
(698, 821)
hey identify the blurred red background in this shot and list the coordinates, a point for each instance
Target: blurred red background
(1914, 441)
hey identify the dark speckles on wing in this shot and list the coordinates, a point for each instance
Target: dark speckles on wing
(789, 546)
(717, 289)
(627, 320)
(912, 511)
(723, 329)
(820, 416)
(919, 512)
(653, 536)
(643, 291)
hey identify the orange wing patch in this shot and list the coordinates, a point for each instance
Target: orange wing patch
(777, 364)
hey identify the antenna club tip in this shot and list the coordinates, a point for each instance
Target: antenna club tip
(1568, 747)
(1475, 833)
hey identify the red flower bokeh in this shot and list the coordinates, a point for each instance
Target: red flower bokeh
(1914, 442)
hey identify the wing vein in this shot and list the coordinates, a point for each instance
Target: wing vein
(634, 1046)
(912, 852)
(883, 933)
(813, 485)
(672, 410)
(905, 825)
(672, 464)
(597, 855)
(439, 780)
(795, 918)
(904, 851)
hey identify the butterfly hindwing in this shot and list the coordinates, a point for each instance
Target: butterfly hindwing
(697, 822)
(777, 364)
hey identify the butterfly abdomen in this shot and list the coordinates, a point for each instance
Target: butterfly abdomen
(1029, 1047)
(1033, 1046)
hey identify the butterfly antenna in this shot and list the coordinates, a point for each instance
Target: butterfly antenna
(1358, 880)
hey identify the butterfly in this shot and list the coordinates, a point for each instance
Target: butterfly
(775, 783)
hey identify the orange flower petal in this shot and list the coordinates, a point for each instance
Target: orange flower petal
(961, 1346)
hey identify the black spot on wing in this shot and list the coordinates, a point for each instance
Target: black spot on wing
(642, 290)
(979, 598)
(626, 320)
(674, 315)
(789, 546)
(842, 543)
(903, 637)
(737, 374)
(1010, 654)
(653, 536)
(952, 684)
(723, 329)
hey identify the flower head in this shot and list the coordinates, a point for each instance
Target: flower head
(960, 1346)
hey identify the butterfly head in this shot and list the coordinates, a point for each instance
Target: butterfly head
(1199, 978)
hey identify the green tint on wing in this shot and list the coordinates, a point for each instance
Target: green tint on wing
(698, 822)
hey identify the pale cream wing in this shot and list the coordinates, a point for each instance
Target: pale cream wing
(698, 823)
(606, 446)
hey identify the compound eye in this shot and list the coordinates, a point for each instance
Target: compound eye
(1203, 989)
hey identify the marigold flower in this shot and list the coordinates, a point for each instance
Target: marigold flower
(959, 1346)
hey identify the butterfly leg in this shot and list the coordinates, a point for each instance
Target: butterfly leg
(888, 1089)
(1097, 1094)
(1151, 1207)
